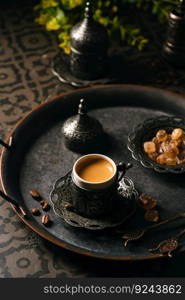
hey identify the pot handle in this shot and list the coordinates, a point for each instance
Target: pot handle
(122, 168)
(14, 202)
(7, 146)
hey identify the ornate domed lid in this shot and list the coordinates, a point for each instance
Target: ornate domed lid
(88, 35)
(82, 131)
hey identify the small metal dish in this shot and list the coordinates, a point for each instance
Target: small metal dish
(145, 132)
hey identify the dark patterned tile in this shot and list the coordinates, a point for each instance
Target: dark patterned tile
(33, 41)
(10, 76)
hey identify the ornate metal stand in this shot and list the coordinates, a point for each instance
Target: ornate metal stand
(61, 198)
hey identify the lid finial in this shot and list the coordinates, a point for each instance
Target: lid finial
(182, 4)
(89, 9)
(181, 8)
(82, 110)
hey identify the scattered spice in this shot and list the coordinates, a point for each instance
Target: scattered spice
(35, 211)
(147, 202)
(35, 194)
(45, 205)
(46, 221)
(152, 216)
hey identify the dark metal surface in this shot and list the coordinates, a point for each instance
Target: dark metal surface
(40, 157)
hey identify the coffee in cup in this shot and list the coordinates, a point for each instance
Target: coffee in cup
(94, 172)
(95, 169)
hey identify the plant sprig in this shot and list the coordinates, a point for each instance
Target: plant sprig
(61, 15)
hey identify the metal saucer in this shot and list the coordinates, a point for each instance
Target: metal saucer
(61, 68)
(124, 208)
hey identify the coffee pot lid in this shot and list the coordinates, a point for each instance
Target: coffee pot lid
(82, 130)
(89, 35)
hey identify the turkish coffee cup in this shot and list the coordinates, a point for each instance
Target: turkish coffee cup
(95, 179)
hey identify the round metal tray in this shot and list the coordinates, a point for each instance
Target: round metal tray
(38, 157)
